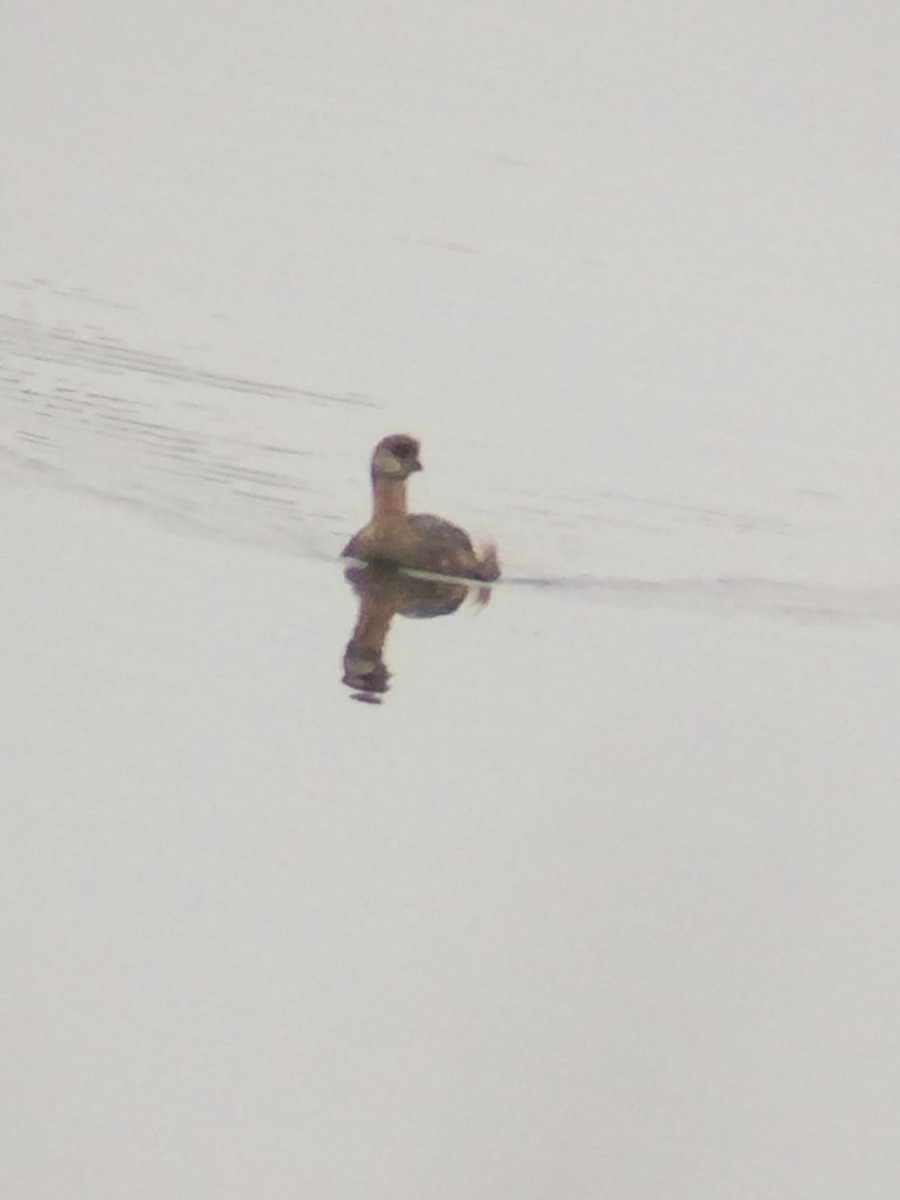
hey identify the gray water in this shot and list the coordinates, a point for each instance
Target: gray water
(600, 899)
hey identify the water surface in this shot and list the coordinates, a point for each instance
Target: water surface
(600, 899)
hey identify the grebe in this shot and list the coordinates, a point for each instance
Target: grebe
(420, 541)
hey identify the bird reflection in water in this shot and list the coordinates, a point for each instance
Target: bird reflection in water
(384, 590)
(395, 539)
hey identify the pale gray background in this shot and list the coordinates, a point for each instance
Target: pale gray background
(603, 900)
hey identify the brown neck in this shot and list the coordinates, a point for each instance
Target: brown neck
(375, 616)
(389, 497)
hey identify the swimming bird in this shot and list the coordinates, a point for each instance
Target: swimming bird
(418, 540)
